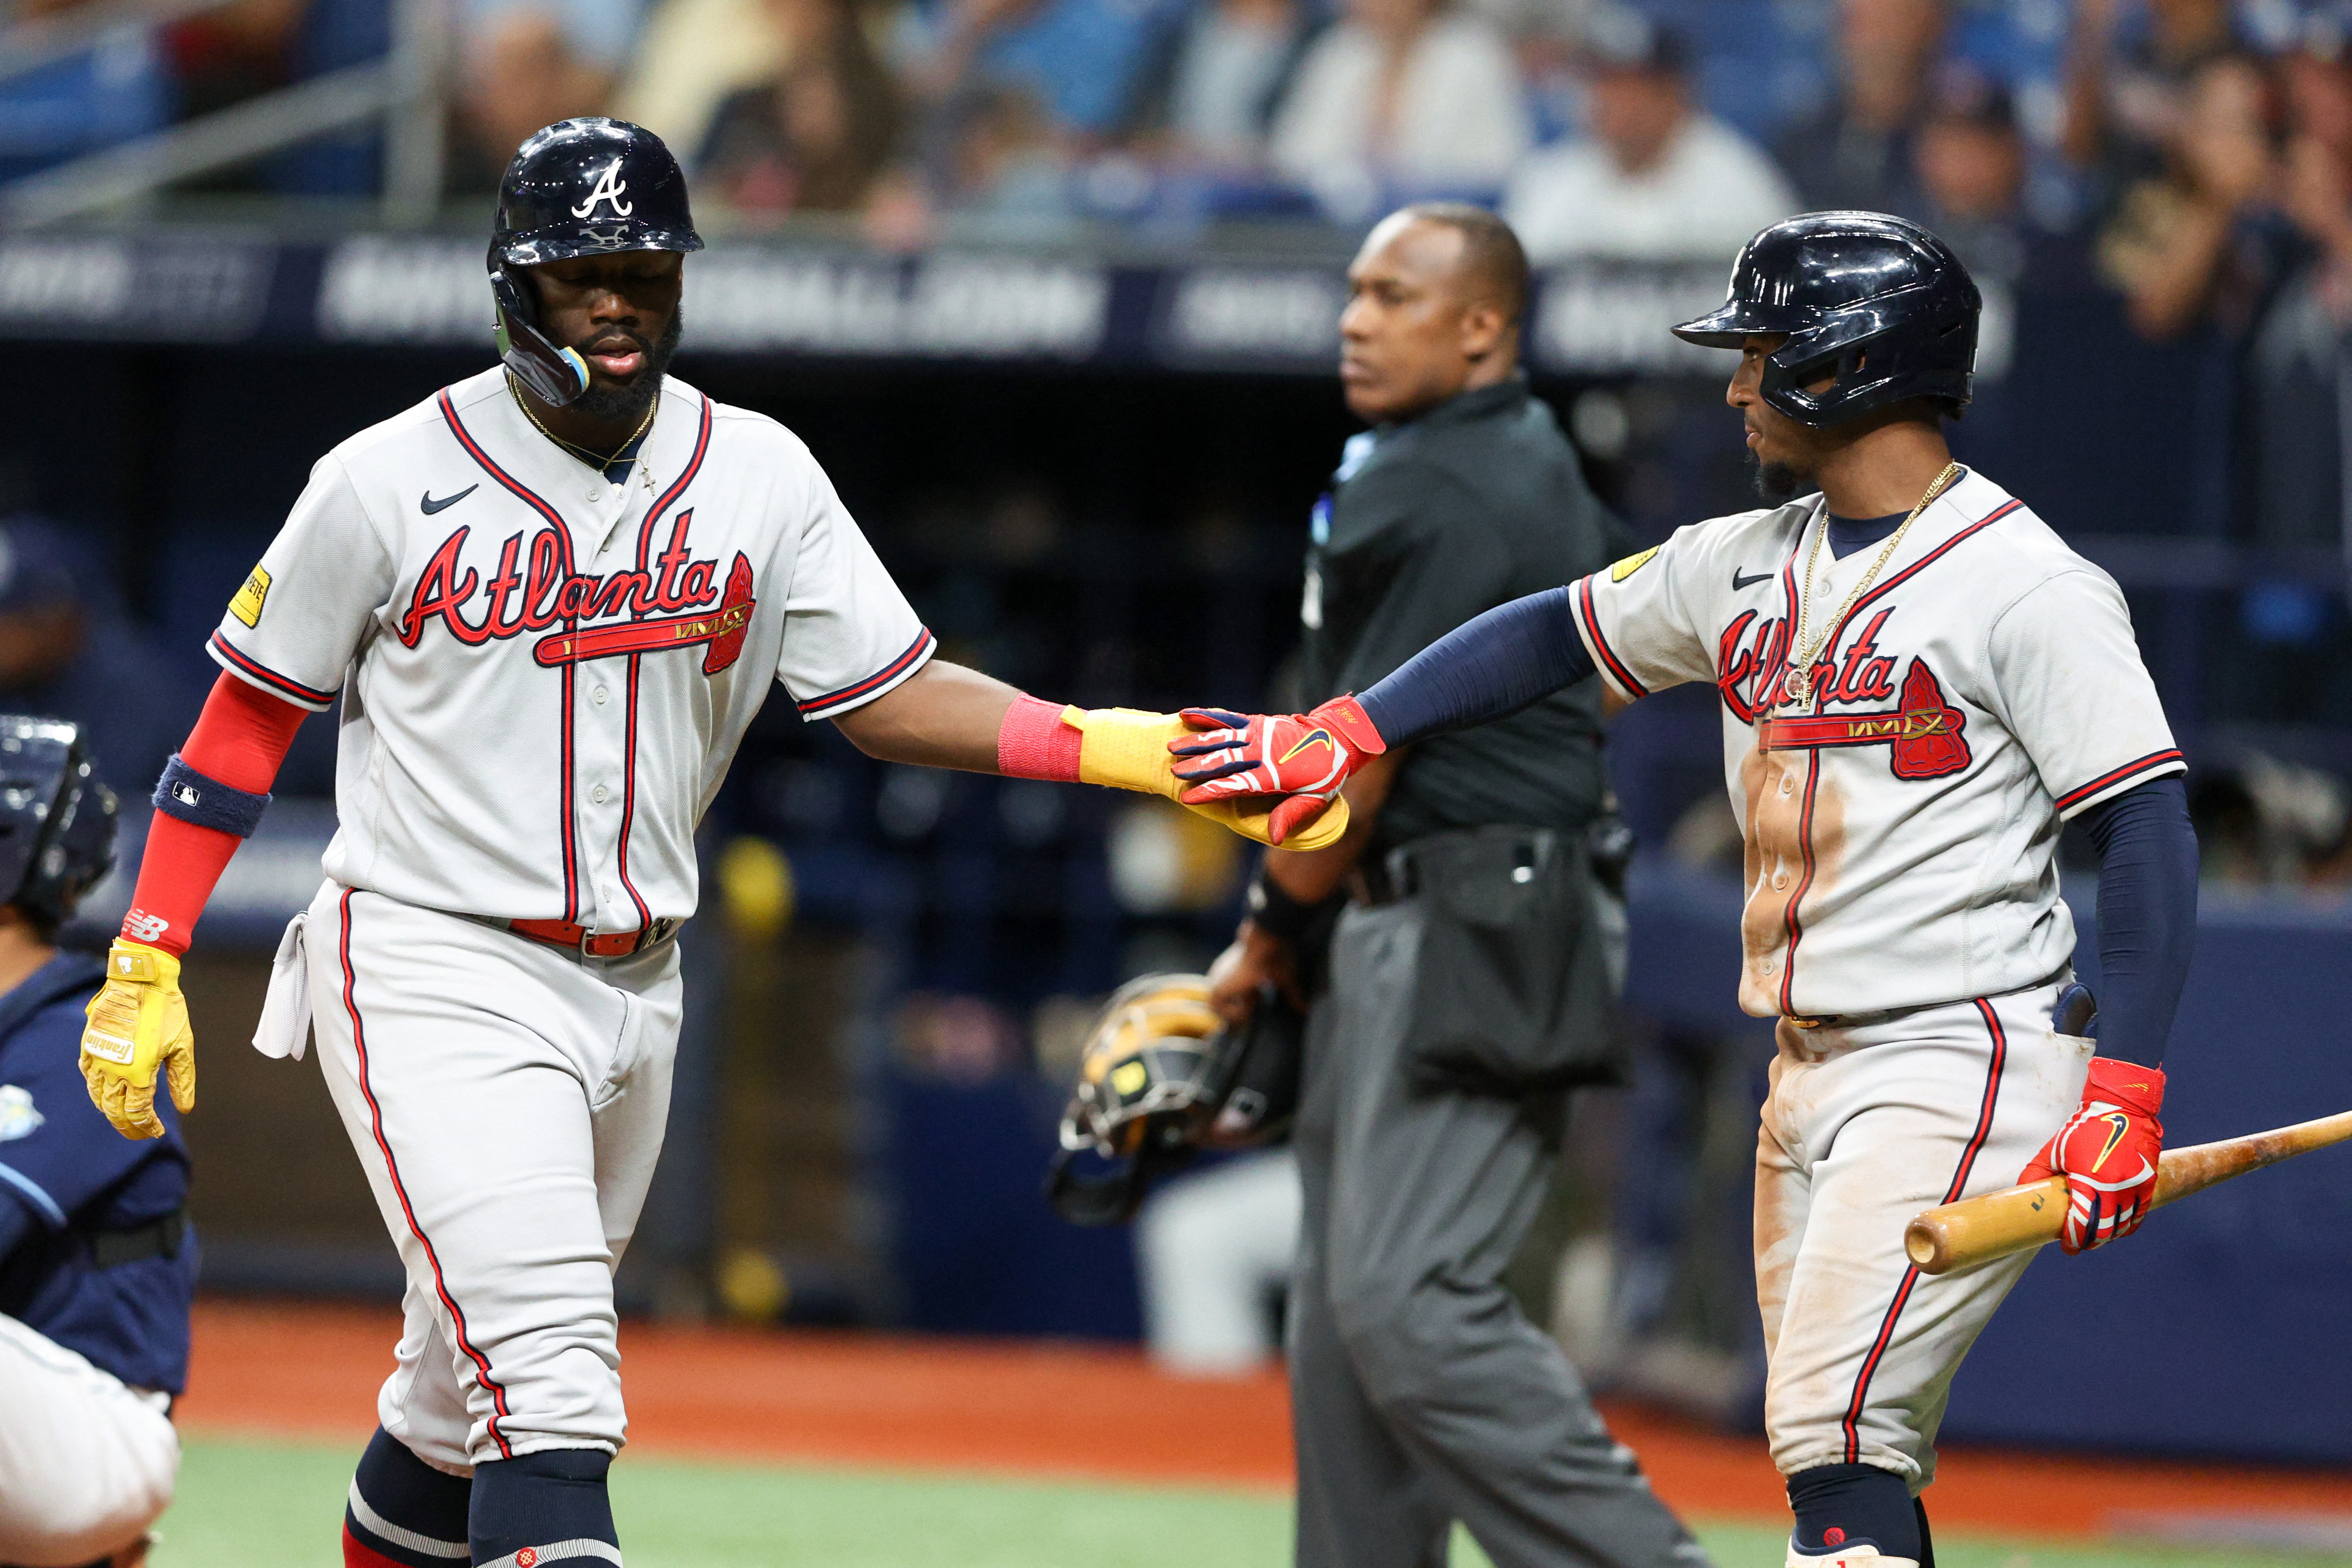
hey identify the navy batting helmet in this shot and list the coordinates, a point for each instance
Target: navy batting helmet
(1876, 299)
(580, 187)
(56, 820)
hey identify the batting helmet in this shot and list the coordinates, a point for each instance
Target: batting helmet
(56, 820)
(1876, 299)
(1161, 1077)
(580, 187)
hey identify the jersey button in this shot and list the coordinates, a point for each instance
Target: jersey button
(594, 494)
(600, 794)
(599, 695)
(1771, 966)
(1788, 785)
(1779, 879)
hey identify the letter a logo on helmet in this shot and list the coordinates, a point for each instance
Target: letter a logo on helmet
(609, 186)
(1878, 305)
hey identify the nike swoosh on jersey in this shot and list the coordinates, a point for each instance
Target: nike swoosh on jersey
(426, 504)
(1739, 582)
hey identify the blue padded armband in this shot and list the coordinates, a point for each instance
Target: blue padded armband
(189, 796)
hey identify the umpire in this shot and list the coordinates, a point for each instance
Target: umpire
(1468, 973)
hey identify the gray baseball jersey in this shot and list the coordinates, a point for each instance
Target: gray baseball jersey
(1901, 828)
(545, 673)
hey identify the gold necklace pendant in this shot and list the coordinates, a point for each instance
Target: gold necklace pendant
(1805, 650)
(598, 463)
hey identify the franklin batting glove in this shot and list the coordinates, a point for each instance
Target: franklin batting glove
(1305, 757)
(139, 1022)
(2107, 1151)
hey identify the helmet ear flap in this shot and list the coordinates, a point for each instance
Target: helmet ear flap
(556, 376)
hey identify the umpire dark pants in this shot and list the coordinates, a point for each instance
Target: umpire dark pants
(1419, 1393)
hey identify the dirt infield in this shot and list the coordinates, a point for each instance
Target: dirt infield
(1063, 1410)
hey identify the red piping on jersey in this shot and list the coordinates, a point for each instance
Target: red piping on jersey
(1829, 646)
(1813, 763)
(2147, 764)
(693, 465)
(883, 676)
(269, 677)
(1624, 677)
(629, 756)
(1976, 1143)
(563, 540)
(629, 799)
(1770, 678)
(1804, 882)
(400, 1189)
(473, 449)
(1765, 699)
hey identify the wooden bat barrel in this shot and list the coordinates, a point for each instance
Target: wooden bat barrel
(2017, 1219)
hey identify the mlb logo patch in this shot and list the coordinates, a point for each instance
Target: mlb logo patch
(185, 793)
(17, 1116)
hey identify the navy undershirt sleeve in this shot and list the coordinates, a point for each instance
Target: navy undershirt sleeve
(2148, 915)
(1513, 655)
(1520, 652)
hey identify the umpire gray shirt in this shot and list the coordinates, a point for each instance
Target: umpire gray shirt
(1429, 522)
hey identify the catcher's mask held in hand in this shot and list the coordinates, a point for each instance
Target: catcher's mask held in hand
(1156, 1071)
(1140, 1078)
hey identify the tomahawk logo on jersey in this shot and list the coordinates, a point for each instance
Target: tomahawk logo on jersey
(643, 599)
(1901, 825)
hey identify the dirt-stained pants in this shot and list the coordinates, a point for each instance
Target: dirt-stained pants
(1865, 1127)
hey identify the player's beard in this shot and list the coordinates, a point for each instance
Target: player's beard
(618, 404)
(1777, 482)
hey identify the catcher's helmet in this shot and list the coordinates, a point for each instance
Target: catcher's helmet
(1878, 298)
(580, 187)
(1161, 1075)
(56, 820)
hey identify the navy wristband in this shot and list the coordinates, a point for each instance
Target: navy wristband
(192, 798)
(1275, 912)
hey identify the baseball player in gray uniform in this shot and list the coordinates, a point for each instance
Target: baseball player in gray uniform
(1919, 683)
(551, 597)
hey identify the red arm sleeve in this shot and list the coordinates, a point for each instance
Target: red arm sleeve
(239, 739)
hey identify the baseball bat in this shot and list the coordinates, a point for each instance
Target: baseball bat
(2018, 1219)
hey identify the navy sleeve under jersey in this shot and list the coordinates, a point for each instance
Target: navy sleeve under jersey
(67, 1177)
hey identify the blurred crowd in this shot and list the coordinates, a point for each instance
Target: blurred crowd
(2196, 154)
(2189, 161)
(2203, 143)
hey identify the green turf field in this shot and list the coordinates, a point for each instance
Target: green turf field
(263, 1505)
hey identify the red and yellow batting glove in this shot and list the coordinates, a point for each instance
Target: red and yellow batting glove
(138, 1024)
(1304, 756)
(2108, 1151)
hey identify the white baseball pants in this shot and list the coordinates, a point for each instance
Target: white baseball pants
(507, 1099)
(1214, 1249)
(1863, 1127)
(87, 1462)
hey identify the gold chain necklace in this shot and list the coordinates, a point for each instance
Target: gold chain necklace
(1797, 690)
(583, 453)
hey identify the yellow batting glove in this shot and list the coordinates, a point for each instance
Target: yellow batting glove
(1127, 748)
(138, 1022)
